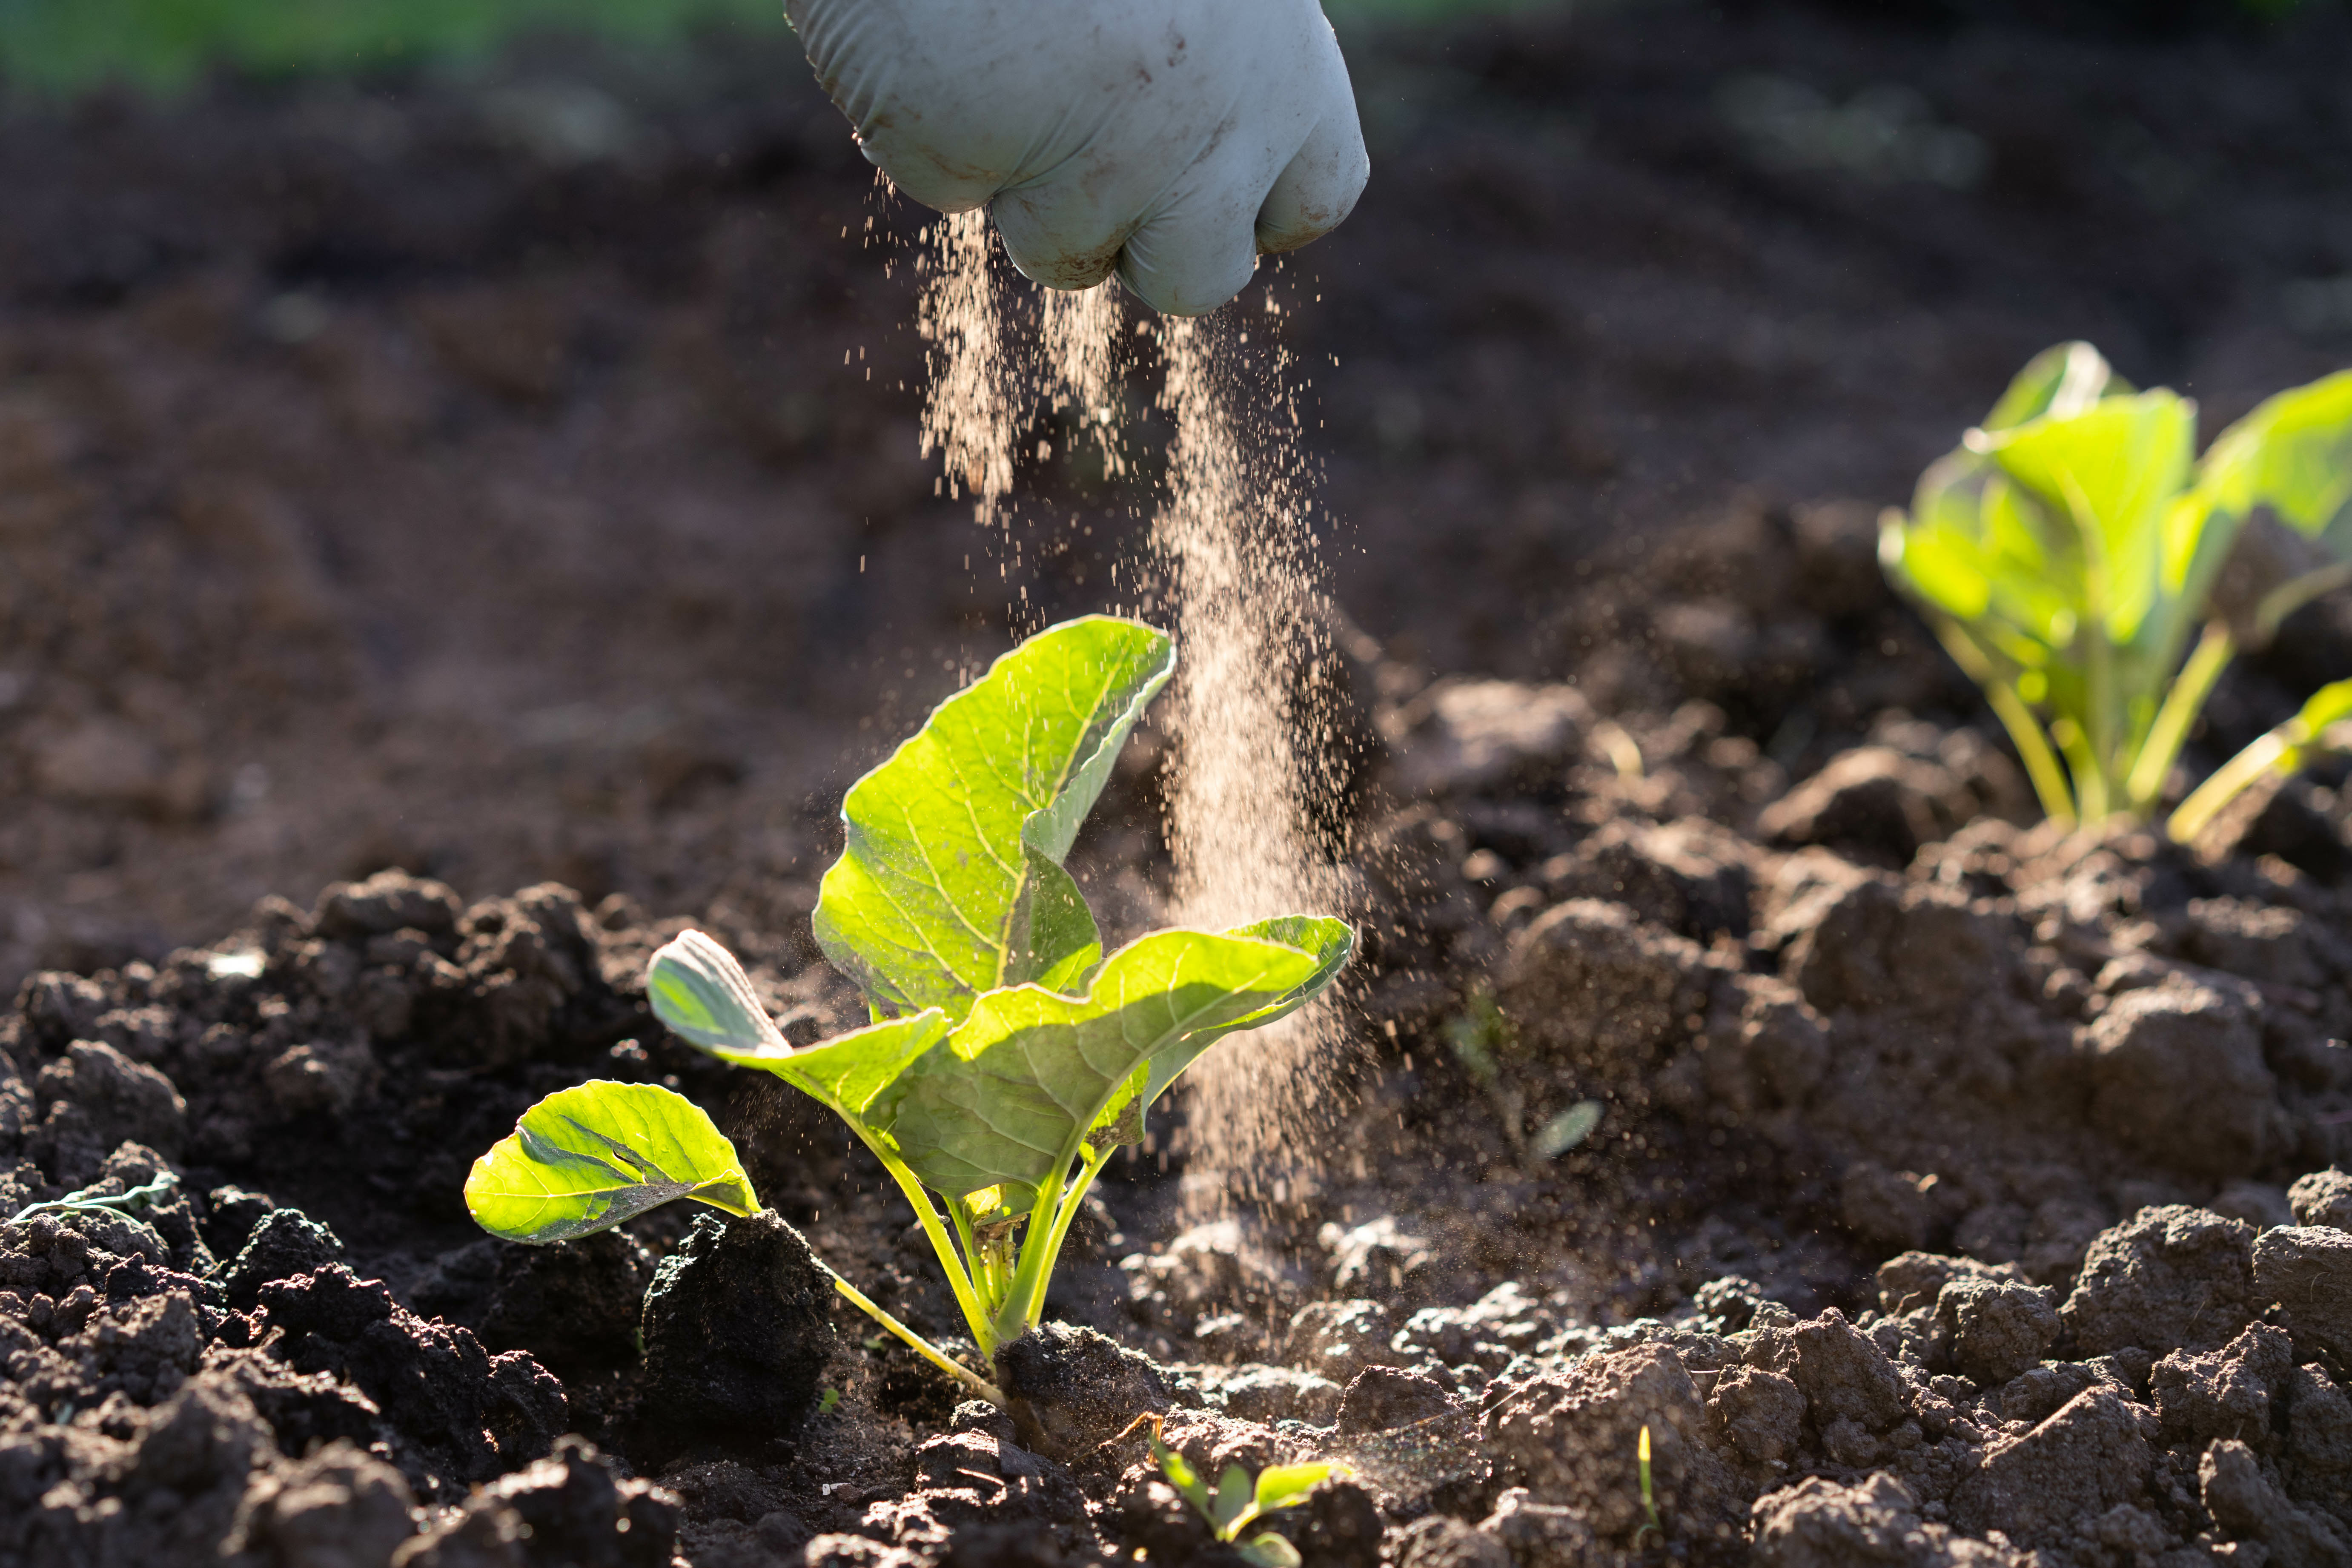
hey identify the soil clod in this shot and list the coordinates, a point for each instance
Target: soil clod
(737, 1333)
(1074, 1389)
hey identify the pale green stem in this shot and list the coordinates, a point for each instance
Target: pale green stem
(2101, 740)
(920, 1345)
(2288, 598)
(975, 1261)
(997, 1255)
(958, 1280)
(2034, 749)
(2096, 793)
(2181, 706)
(2206, 801)
(1013, 1319)
(1072, 1202)
(2025, 731)
(2090, 781)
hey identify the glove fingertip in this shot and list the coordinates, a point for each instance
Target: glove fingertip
(1317, 188)
(1187, 286)
(1047, 249)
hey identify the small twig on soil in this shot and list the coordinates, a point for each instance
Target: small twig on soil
(89, 1198)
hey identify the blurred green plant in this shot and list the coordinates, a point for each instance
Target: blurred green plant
(2072, 545)
(1486, 1046)
(62, 47)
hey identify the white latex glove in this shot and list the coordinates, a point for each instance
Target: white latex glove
(1172, 140)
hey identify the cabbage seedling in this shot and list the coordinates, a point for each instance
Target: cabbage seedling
(1009, 1056)
(2071, 548)
(1238, 1501)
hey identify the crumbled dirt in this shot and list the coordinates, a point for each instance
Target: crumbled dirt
(400, 506)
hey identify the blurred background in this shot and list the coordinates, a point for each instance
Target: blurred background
(479, 436)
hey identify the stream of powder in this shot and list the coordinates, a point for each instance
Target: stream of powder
(1236, 550)
(971, 404)
(1252, 759)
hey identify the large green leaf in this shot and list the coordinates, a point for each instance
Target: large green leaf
(1329, 942)
(1976, 545)
(847, 1071)
(703, 994)
(2113, 470)
(950, 883)
(586, 1158)
(2293, 455)
(1029, 1073)
(2065, 380)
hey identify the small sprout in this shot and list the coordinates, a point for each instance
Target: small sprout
(1009, 1056)
(1649, 1497)
(1623, 753)
(1486, 1046)
(1239, 1501)
(2072, 550)
(1478, 1035)
(1566, 1129)
(827, 1400)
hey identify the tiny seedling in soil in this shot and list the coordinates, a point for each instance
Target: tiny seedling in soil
(1650, 1526)
(1484, 1042)
(2071, 549)
(1009, 1057)
(1240, 1501)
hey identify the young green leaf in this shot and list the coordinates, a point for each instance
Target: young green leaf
(586, 1158)
(1232, 1497)
(847, 1071)
(1981, 550)
(1284, 1486)
(702, 994)
(1270, 1551)
(1029, 1073)
(2324, 708)
(950, 883)
(1181, 1474)
(2064, 381)
(2294, 455)
(1566, 1129)
(1329, 940)
(2113, 470)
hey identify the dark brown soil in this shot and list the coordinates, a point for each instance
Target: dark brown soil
(407, 492)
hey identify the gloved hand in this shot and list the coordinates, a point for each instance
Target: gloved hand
(1172, 140)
